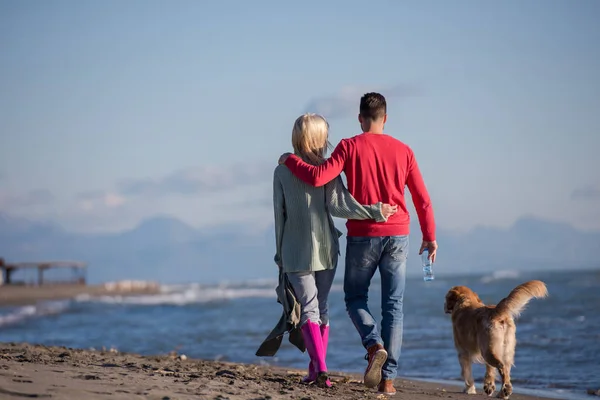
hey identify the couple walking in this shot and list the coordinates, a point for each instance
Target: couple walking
(307, 191)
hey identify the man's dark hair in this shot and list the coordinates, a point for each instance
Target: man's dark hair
(373, 106)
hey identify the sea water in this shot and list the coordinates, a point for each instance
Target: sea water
(558, 338)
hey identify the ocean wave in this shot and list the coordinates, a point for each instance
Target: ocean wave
(189, 296)
(26, 312)
(500, 275)
(196, 293)
(257, 282)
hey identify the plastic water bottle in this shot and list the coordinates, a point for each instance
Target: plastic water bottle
(427, 266)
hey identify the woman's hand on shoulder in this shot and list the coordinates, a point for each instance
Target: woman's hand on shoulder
(388, 210)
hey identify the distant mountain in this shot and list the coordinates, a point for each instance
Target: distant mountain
(530, 243)
(168, 250)
(161, 248)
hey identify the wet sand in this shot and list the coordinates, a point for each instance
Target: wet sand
(27, 295)
(29, 371)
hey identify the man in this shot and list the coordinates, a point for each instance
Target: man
(378, 167)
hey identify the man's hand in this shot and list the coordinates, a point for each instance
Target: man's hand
(388, 210)
(284, 157)
(431, 248)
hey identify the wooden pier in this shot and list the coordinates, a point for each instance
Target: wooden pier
(23, 292)
(78, 272)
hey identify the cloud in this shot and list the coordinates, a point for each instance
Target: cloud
(33, 198)
(201, 195)
(346, 102)
(588, 192)
(242, 203)
(198, 180)
(92, 201)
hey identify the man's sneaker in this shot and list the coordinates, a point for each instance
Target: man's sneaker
(386, 386)
(376, 355)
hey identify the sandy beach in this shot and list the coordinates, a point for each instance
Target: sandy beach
(24, 295)
(30, 371)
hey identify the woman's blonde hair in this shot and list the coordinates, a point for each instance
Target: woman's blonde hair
(309, 137)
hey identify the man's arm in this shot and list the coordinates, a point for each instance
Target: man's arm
(421, 199)
(319, 175)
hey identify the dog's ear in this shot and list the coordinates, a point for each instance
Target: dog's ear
(452, 298)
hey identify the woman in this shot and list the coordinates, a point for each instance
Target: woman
(307, 239)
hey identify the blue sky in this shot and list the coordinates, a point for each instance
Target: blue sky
(111, 111)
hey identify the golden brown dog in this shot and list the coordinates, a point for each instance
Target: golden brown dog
(487, 334)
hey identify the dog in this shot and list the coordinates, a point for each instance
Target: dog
(487, 333)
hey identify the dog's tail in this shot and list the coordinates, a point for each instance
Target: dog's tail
(516, 301)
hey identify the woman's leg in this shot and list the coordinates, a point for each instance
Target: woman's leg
(323, 282)
(305, 289)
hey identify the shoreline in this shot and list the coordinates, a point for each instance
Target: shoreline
(28, 370)
(544, 393)
(14, 295)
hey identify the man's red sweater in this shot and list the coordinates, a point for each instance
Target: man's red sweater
(378, 167)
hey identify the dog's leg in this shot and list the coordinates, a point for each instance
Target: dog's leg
(467, 373)
(506, 389)
(510, 343)
(495, 362)
(489, 382)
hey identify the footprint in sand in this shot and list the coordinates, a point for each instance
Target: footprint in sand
(22, 394)
(87, 377)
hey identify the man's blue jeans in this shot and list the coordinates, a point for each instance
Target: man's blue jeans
(364, 255)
